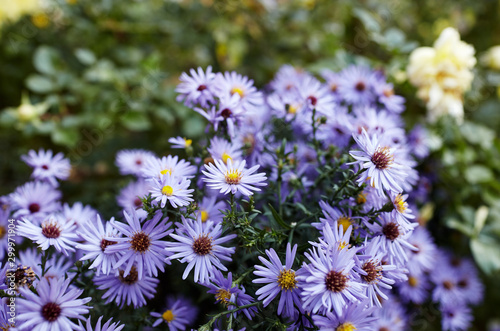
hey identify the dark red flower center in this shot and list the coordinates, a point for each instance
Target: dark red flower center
(131, 278)
(335, 281)
(226, 113)
(382, 158)
(373, 272)
(45, 167)
(140, 242)
(51, 311)
(360, 86)
(313, 100)
(137, 202)
(34, 207)
(51, 230)
(202, 87)
(105, 243)
(391, 231)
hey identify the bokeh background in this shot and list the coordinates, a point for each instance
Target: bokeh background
(91, 77)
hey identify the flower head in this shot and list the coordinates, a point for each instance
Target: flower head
(196, 89)
(108, 326)
(53, 308)
(47, 167)
(178, 314)
(233, 178)
(172, 189)
(200, 247)
(132, 161)
(36, 200)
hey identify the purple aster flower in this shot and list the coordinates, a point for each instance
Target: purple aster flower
(389, 100)
(418, 141)
(210, 209)
(53, 308)
(179, 313)
(332, 81)
(233, 178)
(316, 96)
(221, 149)
(156, 167)
(335, 215)
(338, 129)
(287, 79)
(279, 279)
(355, 85)
(127, 289)
(55, 231)
(423, 259)
(132, 161)
(141, 245)
(4, 229)
(95, 245)
(130, 196)
(393, 238)
(415, 289)
(334, 236)
(469, 282)
(108, 326)
(36, 200)
(6, 320)
(383, 171)
(173, 189)
(375, 272)
(390, 318)
(446, 290)
(229, 112)
(196, 89)
(286, 105)
(232, 83)
(56, 267)
(402, 213)
(180, 143)
(200, 247)
(353, 316)
(78, 214)
(230, 296)
(328, 281)
(456, 317)
(48, 167)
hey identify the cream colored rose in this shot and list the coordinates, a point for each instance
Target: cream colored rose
(492, 58)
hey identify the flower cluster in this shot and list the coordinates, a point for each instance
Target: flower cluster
(298, 208)
(442, 74)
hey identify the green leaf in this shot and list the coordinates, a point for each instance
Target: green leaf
(39, 84)
(478, 174)
(135, 121)
(65, 136)
(486, 252)
(85, 56)
(47, 61)
(478, 134)
(278, 218)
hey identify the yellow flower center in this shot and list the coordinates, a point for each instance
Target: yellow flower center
(412, 281)
(292, 109)
(223, 296)
(400, 204)
(361, 199)
(168, 316)
(345, 221)
(188, 142)
(343, 245)
(233, 177)
(3, 231)
(167, 190)
(286, 280)
(237, 90)
(166, 171)
(204, 215)
(40, 20)
(226, 157)
(345, 327)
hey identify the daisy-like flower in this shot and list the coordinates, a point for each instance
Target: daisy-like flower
(141, 245)
(197, 88)
(279, 279)
(334, 215)
(390, 318)
(210, 209)
(127, 289)
(59, 265)
(132, 161)
(179, 142)
(156, 167)
(95, 245)
(200, 247)
(78, 214)
(415, 289)
(328, 281)
(393, 238)
(53, 308)
(355, 85)
(392, 102)
(456, 317)
(230, 296)
(230, 112)
(402, 213)
(221, 149)
(316, 96)
(55, 231)
(232, 83)
(354, 316)
(172, 189)
(130, 196)
(424, 258)
(108, 326)
(179, 313)
(6, 321)
(4, 229)
(36, 200)
(233, 178)
(383, 170)
(48, 167)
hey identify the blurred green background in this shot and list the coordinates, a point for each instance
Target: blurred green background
(91, 77)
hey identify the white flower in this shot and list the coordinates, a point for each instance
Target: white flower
(173, 189)
(442, 74)
(492, 58)
(233, 178)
